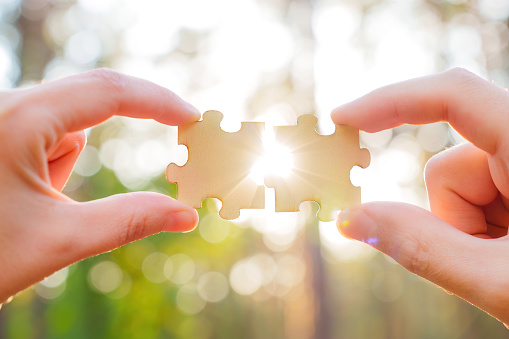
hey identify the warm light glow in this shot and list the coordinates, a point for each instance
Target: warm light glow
(277, 160)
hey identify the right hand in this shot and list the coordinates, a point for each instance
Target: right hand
(463, 246)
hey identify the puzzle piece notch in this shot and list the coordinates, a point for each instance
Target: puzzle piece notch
(219, 164)
(322, 165)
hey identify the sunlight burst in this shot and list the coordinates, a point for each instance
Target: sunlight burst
(277, 160)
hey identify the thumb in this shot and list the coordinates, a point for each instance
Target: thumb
(427, 246)
(105, 224)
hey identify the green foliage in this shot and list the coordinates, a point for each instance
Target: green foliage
(155, 287)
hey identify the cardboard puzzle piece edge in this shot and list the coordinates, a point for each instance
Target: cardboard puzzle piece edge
(321, 171)
(219, 164)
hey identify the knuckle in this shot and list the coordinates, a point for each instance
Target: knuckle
(416, 256)
(13, 105)
(461, 75)
(109, 79)
(433, 169)
(442, 169)
(16, 116)
(134, 227)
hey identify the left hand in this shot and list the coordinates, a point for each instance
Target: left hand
(41, 137)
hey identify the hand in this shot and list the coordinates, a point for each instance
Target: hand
(463, 246)
(42, 230)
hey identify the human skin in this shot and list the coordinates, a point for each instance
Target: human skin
(41, 137)
(462, 245)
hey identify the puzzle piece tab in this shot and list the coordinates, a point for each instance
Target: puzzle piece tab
(218, 165)
(321, 170)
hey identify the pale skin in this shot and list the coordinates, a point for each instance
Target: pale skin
(41, 133)
(462, 245)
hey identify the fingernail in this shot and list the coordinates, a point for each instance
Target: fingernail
(355, 224)
(182, 221)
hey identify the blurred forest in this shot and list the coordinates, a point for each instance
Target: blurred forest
(264, 275)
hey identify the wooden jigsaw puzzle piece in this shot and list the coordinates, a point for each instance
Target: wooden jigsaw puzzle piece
(321, 170)
(218, 165)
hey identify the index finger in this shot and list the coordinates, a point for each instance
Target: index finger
(476, 108)
(85, 100)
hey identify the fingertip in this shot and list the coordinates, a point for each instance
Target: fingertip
(356, 113)
(186, 112)
(178, 112)
(182, 221)
(339, 114)
(194, 113)
(354, 223)
(343, 222)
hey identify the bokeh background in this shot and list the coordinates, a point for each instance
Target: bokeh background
(265, 275)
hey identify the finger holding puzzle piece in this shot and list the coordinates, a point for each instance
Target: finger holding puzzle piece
(219, 165)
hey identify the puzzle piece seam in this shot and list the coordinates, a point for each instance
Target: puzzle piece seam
(343, 135)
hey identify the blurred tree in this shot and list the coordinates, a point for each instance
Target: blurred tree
(35, 51)
(270, 60)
